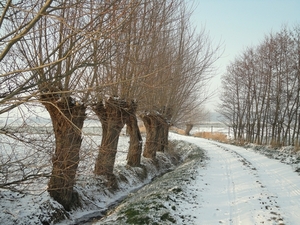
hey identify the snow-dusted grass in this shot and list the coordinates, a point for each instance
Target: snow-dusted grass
(287, 154)
(160, 201)
(30, 203)
(97, 199)
(234, 185)
(231, 185)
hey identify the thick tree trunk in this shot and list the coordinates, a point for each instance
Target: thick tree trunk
(151, 144)
(112, 117)
(157, 135)
(188, 128)
(136, 142)
(67, 119)
(163, 135)
(100, 111)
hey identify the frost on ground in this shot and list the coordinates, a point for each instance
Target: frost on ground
(235, 185)
(241, 186)
(33, 205)
(161, 201)
(215, 184)
(287, 155)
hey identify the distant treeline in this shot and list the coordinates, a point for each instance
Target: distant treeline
(261, 91)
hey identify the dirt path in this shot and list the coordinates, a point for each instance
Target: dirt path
(225, 185)
(239, 186)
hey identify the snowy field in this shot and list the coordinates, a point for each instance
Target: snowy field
(216, 184)
(30, 203)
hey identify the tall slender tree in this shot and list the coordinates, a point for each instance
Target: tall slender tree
(264, 107)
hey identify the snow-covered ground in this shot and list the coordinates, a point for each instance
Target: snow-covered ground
(236, 185)
(31, 203)
(240, 186)
(216, 184)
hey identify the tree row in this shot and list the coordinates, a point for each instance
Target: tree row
(261, 91)
(118, 59)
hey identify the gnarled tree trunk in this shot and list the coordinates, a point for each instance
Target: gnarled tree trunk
(135, 143)
(163, 135)
(165, 121)
(112, 117)
(151, 144)
(67, 119)
(188, 128)
(157, 129)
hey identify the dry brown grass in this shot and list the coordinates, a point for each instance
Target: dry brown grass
(275, 144)
(217, 136)
(177, 130)
(174, 129)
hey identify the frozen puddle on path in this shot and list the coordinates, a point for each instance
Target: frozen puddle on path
(239, 186)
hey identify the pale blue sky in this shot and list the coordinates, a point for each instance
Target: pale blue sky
(239, 24)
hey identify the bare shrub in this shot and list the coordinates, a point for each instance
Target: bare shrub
(297, 147)
(275, 144)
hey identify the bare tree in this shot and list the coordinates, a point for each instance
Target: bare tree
(59, 51)
(15, 87)
(185, 62)
(115, 84)
(14, 84)
(121, 58)
(194, 117)
(22, 145)
(133, 64)
(261, 103)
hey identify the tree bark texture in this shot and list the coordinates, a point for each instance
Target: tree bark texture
(163, 135)
(67, 119)
(188, 128)
(112, 116)
(157, 135)
(136, 142)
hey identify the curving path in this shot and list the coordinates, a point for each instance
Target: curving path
(239, 186)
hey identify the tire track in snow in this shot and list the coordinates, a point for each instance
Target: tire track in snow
(231, 190)
(234, 192)
(267, 200)
(279, 180)
(221, 187)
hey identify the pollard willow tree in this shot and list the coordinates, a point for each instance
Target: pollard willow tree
(180, 73)
(151, 22)
(59, 50)
(116, 104)
(107, 103)
(260, 98)
(196, 115)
